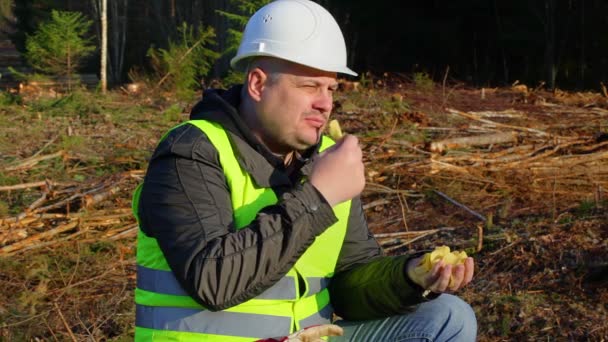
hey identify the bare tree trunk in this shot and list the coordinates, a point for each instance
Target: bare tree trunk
(476, 78)
(550, 43)
(118, 20)
(115, 35)
(581, 63)
(104, 46)
(505, 68)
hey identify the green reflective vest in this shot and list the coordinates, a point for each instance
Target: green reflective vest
(165, 312)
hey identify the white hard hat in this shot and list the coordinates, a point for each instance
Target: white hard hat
(298, 31)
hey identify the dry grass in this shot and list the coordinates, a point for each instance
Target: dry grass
(521, 183)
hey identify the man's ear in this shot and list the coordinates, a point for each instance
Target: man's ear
(256, 80)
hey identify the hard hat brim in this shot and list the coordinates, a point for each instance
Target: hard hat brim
(240, 63)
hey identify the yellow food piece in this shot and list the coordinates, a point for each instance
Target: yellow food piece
(335, 132)
(440, 253)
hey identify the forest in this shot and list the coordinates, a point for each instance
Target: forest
(562, 43)
(483, 127)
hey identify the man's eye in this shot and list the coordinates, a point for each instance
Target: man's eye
(309, 87)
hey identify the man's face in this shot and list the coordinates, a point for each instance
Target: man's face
(294, 107)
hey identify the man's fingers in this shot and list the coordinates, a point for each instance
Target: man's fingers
(469, 269)
(433, 275)
(326, 330)
(441, 284)
(349, 140)
(457, 277)
(315, 333)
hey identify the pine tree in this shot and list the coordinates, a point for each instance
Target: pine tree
(246, 8)
(60, 44)
(182, 65)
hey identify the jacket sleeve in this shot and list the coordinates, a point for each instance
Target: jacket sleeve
(185, 204)
(367, 284)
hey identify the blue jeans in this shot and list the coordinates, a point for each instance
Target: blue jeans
(446, 318)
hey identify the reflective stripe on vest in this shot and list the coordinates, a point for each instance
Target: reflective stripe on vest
(164, 282)
(222, 322)
(165, 311)
(208, 322)
(322, 317)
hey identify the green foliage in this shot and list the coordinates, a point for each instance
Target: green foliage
(6, 179)
(173, 113)
(238, 20)
(4, 209)
(77, 104)
(585, 208)
(28, 77)
(233, 77)
(73, 143)
(423, 81)
(60, 44)
(365, 80)
(38, 274)
(181, 66)
(7, 99)
(245, 9)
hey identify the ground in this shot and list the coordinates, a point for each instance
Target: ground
(515, 176)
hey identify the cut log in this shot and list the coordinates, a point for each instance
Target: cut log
(479, 140)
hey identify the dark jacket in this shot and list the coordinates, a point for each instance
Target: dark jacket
(185, 204)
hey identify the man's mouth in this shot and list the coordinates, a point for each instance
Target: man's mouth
(315, 121)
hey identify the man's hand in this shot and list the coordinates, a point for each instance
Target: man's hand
(310, 334)
(438, 278)
(338, 172)
(314, 334)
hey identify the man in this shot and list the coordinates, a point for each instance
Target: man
(251, 222)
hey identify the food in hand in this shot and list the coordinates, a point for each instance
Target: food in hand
(440, 253)
(335, 132)
(313, 333)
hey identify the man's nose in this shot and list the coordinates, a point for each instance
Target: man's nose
(324, 102)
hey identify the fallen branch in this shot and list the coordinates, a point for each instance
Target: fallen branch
(46, 145)
(479, 140)
(379, 188)
(437, 166)
(65, 323)
(408, 233)
(404, 243)
(32, 161)
(37, 202)
(125, 233)
(43, 184)
(12, 235)
(403, 205)
(55, 242)
(32, 218)
(460, 205)
(376, 203)
(27, 242)
(92, 199)
(407, 145)
(497, 124)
